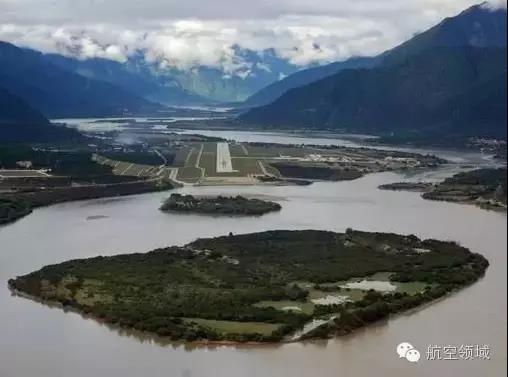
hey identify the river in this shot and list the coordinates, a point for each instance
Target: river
(36, 340)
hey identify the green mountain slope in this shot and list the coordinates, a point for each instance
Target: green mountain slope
(450, 79)
(449, 89)
(19, 122)
(304, 77)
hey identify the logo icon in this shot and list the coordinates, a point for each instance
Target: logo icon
(407, 351)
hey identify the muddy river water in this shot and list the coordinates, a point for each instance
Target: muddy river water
(37, 340)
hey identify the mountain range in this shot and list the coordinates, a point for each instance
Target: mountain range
(61, 93)
(449, 79)
(172, 86)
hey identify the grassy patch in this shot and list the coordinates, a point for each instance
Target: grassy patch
(304, 307)
(237, 150)
(247, 166)
(181, 156)
(193, 156)
(189, 174)
(232, 327)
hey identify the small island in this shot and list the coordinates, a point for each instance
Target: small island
(408, 186)
(274, 286)
(485, 188)
(219, 205)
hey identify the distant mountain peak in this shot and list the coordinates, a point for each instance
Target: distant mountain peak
(60, 92)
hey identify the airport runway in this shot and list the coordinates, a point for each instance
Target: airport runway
(224, 164)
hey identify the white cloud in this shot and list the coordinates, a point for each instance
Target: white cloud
(193, 33)
(496, 4)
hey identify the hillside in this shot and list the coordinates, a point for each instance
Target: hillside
(452, 89)
(19, 122)
(304, 77)
(450, 79)
(477, 26)
(57, 92)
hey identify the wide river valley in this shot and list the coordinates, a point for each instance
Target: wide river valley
(38, 340)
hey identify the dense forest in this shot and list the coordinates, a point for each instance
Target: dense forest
(484, 187)
(219, 205)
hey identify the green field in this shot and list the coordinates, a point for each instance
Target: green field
(271, 170)
(135, 170)
(233, 327)
(247, 166)
(208, 159)
(277, 151)
(237, 150)
(208, 162)
(193, 157)
(181, 156)
(189, 174)
(305, 307)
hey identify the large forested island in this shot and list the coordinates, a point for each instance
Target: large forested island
(219, 205)
(270, 286)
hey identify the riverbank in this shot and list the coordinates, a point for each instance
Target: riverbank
(485, 188)
(15, 205)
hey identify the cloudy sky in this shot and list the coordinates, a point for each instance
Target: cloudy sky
(190, 33)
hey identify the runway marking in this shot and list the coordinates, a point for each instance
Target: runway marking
(224, 163)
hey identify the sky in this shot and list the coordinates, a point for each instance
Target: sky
(190, 33)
